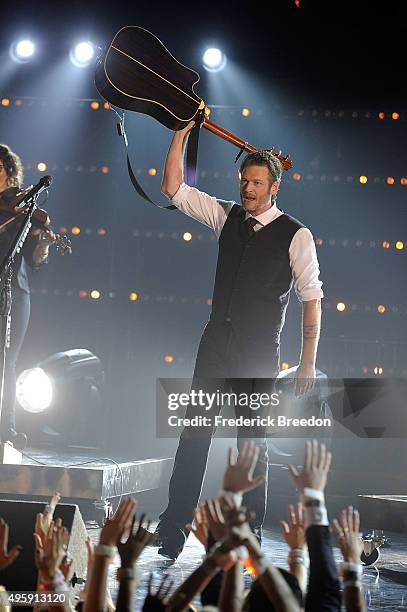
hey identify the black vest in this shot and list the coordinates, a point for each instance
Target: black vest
(253, 279)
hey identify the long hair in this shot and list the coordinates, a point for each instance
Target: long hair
(12, 165)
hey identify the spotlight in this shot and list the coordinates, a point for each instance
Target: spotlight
(341, 307)
(61, 398)
(22, 51)
(214, 60)
(82, 54)
(187, 236)
(34, 390)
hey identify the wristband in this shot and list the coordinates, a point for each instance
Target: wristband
(125, 573)
(105, 551)
(347, 566)
(313, 494)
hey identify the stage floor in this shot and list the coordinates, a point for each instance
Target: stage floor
(381, 593)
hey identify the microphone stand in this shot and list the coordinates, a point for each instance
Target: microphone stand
(6, 274)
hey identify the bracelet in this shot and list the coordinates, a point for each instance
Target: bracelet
(125, 573)
(105, 551)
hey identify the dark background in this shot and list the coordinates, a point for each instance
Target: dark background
(315, 79)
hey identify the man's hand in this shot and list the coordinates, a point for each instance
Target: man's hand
(238, 476)
(347, 535)
(131, 549)
(316, 467)
(215, 518)
(6, 558)
(293, 531)
(304, 379)
(115, 526)
(157, 602)
(43, 519)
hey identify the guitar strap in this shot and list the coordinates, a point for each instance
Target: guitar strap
(191, 162)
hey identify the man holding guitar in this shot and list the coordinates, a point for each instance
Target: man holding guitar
(262, 253)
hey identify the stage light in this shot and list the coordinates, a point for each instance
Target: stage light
(399, 245)
(378, 371)
(63, 229)
(381, 115)
(390, 180)
(133, 296)
(363, 179)
(187, 236)
(95, 294)
(403, 180)
(207, 111)
(246, 112)
(22, 51)
(34, 390)
(168, 358)
(395, 116)
(101, 231)
(209, 301)
(297, 176)
(18, 103)
(76, 230)
(385, 244)
(381, 309)
(61, 398)
(152, 171)
(104, 169)
(94, 105)
(106, 105)
(285, 365)
(341, 306)
(42, 167)
(83, 293)
(319, 242)
(214, 60)
(5, 102)
(82, 54)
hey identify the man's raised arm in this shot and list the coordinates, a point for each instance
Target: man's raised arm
(174, 163)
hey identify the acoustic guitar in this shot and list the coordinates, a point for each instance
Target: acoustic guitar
(138, 73)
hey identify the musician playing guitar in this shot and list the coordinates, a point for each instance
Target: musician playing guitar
(33, 254)
(262, 253)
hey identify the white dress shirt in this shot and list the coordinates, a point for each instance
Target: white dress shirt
(213, 213)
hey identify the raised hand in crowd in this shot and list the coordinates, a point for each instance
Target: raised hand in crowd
(294, 534)
(315, 470)
(43, 519)
(6, 556)
(112, 532)
(349, 541)
(238, 477)
(129, 552)
(157, 602)
(199, 526)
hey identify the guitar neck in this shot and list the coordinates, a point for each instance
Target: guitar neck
(222, 133)
(241, 144)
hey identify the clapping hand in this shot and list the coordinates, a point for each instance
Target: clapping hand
(131, 549)
(347, 535)
(6, 558)
(315, 469)
(294, 531)
(238, 476)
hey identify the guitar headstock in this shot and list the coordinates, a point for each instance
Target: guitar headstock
(285, 160)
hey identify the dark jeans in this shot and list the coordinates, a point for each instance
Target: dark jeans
(223, 364)
(20, 315)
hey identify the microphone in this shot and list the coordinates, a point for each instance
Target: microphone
(34, 191)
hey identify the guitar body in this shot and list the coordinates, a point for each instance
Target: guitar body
(138, 73)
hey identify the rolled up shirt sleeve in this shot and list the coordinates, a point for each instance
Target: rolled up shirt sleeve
(304, 266)
(202, 207)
